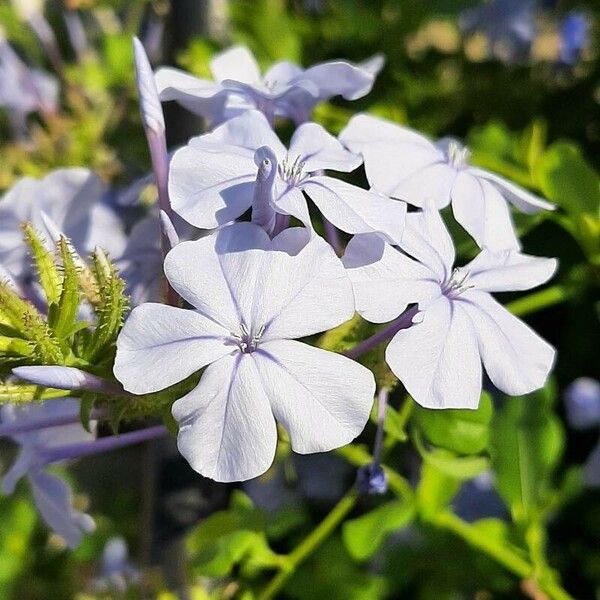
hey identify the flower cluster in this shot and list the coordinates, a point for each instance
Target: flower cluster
(255, 287)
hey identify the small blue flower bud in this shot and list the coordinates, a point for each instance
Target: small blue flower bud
(371, 480)
(582, 399)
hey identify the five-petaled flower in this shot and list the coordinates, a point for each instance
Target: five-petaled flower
(213, 180)
(404, 164)
(251, 296)
(286, 90)
(460, 325)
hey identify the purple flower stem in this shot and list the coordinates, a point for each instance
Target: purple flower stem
(107, 444)
(382, 402)
(404, 321)
(17, 427)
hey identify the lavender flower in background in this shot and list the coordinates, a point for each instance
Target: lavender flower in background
(117, 572)
(477, 499)
(459, 325)
(69, 201)
(245, 333)
(213, 180)
(402, 163)
(51, 494)
(23, 90)
(286, 90)
(574, 37)
(508, 25)
(582, 401)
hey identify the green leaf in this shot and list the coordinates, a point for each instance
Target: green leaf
(435, 489)
(567, 179)
(44, 263)
(63, 320)
(459, 430)
(364, 535)
(231, 537)
(20, 394)
(527, 444)
(14, 346)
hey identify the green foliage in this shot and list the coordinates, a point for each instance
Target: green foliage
(364, 535)
(460, 431)
(527, 443)
(231, 538)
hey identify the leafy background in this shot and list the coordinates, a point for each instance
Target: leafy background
(484, 504)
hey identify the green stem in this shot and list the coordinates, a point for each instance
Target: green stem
(310, 544)
(533, 302)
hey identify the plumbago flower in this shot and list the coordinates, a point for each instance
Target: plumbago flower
(459, 324)
(51, 494)
(251, 296)
(67, 201)
(403, 164)
(286, 90)
(242, 164)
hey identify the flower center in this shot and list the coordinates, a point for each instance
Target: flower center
(457, 154)
(292, 172)
(456, 285)
(246, 340)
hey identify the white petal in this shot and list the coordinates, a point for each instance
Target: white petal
(235, 63)
(201, 97)
(162, 345)
(292, 202)
(516, 359)
(221, 273)
(318, 149)
(384, 280)
(479, 207)
(250, 130)
(509, 271)
(437, 359)
(355, 210)
(209, 189)
(525, 201)
(427, 239)
(302, 293)
(322, 399)
(340, 78)
(227, 431)
(282, 72)
(430, 183)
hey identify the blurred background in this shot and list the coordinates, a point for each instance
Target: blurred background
(518, 80)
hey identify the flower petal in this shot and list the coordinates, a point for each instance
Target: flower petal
(509, 271)
(322, 399)
(302, 293)
(355, 210)
(384, 280)
(250, 131)
(340, 78)
(161, 345)
(220, 273)
(199, 96)
(525, 201)
(210, 189)
(480, 208)
(427, 239)
(226, 428)
(292, 202)
(516, 359)
(318, 149)
(54, 501)
(437, 359)
(235, 63)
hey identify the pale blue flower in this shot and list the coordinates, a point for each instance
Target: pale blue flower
(252, 297)
(582, 401)
(243, 164)
(402, 163)
(116, 569)
(459, 324)
(574, 37)
(286, 90)
(51, 494)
